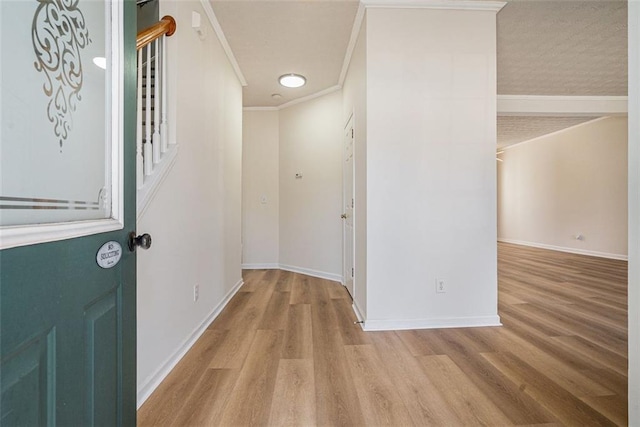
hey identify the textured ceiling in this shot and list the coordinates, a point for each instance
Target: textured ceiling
(272, 38)
(562, 47)
(515, 129)
(545, 47)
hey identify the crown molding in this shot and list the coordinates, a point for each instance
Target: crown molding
(310, 97)
(492, 6)
(296, 101)
(547, 135)
(208, 10)
(487, 6)
(260, 109)
(355, 31)
(533, 105)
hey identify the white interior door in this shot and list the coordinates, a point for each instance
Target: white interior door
(348, 208)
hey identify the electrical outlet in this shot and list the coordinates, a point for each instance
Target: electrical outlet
(196, 292)
(440, 286)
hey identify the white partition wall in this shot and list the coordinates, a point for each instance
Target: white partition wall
(430, 161)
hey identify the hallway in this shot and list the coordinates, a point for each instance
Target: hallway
(285, 351)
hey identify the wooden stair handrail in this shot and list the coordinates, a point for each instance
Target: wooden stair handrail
(167, 25)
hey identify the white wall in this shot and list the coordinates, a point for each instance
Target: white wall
(572, 182)
(310, 207)
(195, 217)
(634, 212)
(355, 102)
(260, 189)
(431, 183)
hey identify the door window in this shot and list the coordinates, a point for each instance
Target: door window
(60, 133)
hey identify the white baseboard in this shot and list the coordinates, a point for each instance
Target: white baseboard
(358, 313)
(301, 270)
(564, 249)
(149, 386)
(261, 266)
(453, 322)
(313, 273)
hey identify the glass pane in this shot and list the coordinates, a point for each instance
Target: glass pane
(55, 97)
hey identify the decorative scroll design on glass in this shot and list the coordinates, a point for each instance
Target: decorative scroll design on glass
(58, 33)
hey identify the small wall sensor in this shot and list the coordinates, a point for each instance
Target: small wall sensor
(196, 24)
(298, 175)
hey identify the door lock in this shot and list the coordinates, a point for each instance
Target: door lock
(143, 240)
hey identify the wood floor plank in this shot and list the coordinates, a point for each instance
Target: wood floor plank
(256, 382)
(247, 312)
(424, 402)
(294, 397)
(298, 340)
(276, 313)
(469, 404)
(573, 380)
(284, 282)
(599, 355)
(417, 342)
(519, 315)
(254, 282)
(210, 395)
(227, 318)
(249, 316)
(613, 407)
(465, 348)
(250, 276)
(337, 402)
(322, 311)
(286, 346)
(351, 332)
(301, 290)
(612, 380)
(336, 290)
(566, 407)
(508, 297)
(271, 275)
(161, 407)
(232, 350)
(614, 339)
(575, 359)
(381, 403)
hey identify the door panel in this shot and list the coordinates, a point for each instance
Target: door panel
(67, 344)
(28, 387)
(102, 339)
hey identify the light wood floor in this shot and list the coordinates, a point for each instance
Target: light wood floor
(285, 351)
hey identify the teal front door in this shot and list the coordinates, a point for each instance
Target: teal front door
(67, 206)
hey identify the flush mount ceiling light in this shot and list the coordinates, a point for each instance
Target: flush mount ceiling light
(292, 80)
